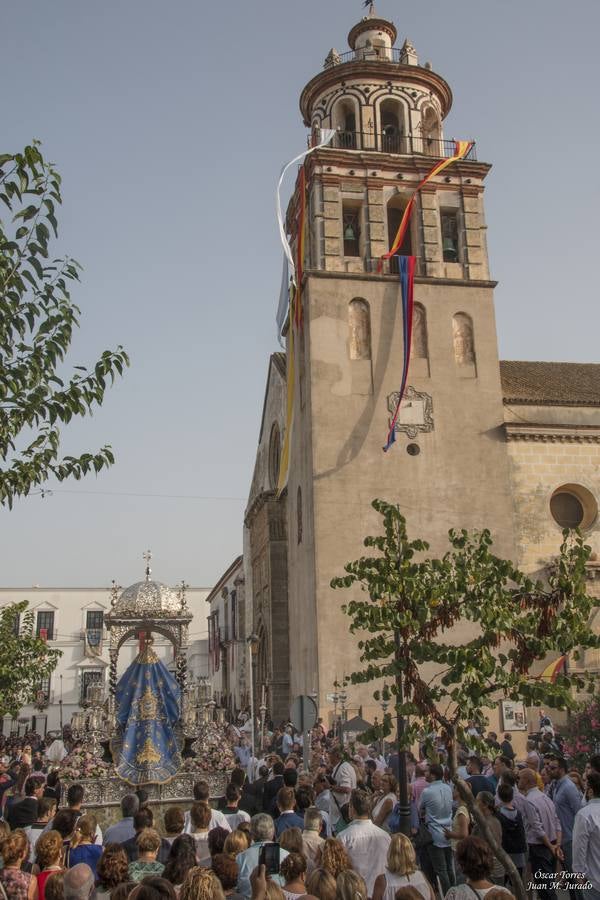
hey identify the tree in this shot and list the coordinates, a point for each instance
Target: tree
(407, 616)
(37, 318)
(582, 735)
(25, 659)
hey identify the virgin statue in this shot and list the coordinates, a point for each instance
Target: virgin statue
(146, 748)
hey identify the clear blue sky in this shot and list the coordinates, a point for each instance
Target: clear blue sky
(169, 123)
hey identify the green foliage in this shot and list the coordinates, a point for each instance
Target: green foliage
(25, 659)
(582, 735)
(37, 318)
(408, 605)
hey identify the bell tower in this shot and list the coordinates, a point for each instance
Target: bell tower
(449, 465)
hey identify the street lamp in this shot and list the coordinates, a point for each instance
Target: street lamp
(343, 700)
(384, 706)
(252, 642)
(335, 697)
(405, 824)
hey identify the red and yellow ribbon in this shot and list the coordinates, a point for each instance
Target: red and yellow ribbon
(461, 149)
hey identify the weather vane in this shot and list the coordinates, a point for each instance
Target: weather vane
(147, 556)
(370, 5)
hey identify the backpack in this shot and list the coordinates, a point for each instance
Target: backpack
(513, 834)
(394, 820)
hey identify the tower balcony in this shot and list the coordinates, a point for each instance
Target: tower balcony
(398, 144)
(367, 54)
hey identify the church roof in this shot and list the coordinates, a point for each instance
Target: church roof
(550, 383)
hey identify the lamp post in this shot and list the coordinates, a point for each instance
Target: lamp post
(384, 706)
(400, 724)
(343, 701)
(335, 698)
(252, 642)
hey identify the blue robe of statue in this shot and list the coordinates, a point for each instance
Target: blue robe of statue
(146, 750)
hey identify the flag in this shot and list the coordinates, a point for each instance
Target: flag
(407, 280)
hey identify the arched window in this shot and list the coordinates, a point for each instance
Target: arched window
(395, 211)
(359, 329)
(274, 456)
(344, 122)
(463, 339)
(420, 349)
(431, 131)
(299, 514)
(391, 117)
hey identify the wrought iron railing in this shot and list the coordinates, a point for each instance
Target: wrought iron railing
(401, 144)
(366, 54)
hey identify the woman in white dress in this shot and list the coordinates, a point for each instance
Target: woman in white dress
(385, 804)
(401, 871)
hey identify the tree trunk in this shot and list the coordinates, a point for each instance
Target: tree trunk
(467, 797)
(469, 801)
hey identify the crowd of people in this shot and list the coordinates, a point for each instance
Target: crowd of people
(332, 830)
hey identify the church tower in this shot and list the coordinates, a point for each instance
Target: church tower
(449, 465)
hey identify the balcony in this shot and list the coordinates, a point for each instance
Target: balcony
(398, 144)
(366, 54)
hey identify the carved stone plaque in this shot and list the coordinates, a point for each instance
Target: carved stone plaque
(416, 412)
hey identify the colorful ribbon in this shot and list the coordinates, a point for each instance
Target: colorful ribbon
(407, 281)
(461, 149)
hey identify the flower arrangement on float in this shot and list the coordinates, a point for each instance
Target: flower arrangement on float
(213, 752)
(83, 764)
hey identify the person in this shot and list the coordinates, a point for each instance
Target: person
(263, 831)
(17, 884)
(291, 840)
(273, 785)
(436, 809)
(253, 792)
(293, 869)
(49, 858)
(201, 884)
(514, 841)
(122, 831)
(202, 795)
(486, 804)
(174, 820)
(461, 821)
(148, 842)
(343, 779)
(288, 818)
(385, 804)
(334, 857)
(401, 871)
(182, 857)
(321, 884)
(322, 793)
(46, 812)
(84, 848)
(586, 839)
(78, 882)
(144, 818)
(25, 812)
(75, 795)
(577, 780)
(540, 820)
(312, 843)
(366, 844)
(54, 888)
(112, 870)
(476, 860)
(236, 842)
(226, 871)
(351, 886)
(153, 887)
(506, 747)
(476, 781)
(567, 802)
(420, 782)
(53, 787)
(232, 812)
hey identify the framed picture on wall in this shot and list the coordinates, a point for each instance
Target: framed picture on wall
(513, 715)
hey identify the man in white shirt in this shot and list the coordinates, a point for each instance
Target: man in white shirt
(586, 840)
(217, 819)
(366, 844)
(344, 776)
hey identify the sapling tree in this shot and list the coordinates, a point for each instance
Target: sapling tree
(25, 661)
(446, 639)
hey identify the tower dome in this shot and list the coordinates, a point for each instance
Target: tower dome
(147, 598)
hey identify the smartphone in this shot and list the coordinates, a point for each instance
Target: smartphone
(269, 858)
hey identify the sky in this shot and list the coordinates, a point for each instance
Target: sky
(169, 123)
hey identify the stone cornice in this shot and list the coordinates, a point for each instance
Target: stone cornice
(374, 70)
(419, 279)
(258, 503)
(392, 163)
(552, 434)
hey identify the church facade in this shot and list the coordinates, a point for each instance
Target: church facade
(510, 446)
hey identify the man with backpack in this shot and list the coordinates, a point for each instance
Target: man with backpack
(514, 842)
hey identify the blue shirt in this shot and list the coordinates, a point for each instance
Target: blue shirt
(120, 832)
(247, 863)
(86, 853)
(287, 820)
(567, 801)
(436, 803)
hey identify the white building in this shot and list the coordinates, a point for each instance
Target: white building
(227, 647)
(72, 620)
